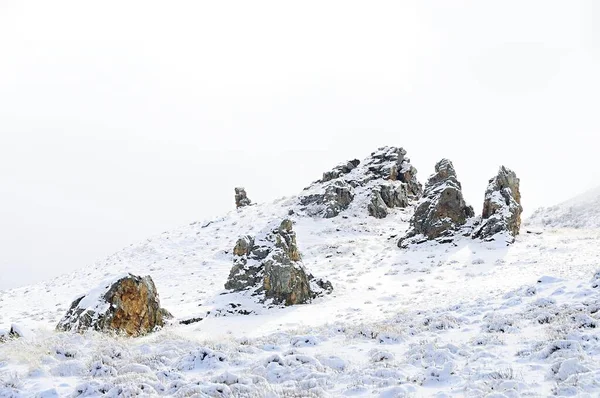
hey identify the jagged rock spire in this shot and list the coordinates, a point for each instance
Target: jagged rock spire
(442, 210)
(501, 207)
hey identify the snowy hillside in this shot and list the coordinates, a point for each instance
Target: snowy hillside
(582, 211)
(469, 318)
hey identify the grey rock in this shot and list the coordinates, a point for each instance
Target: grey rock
(377, 207)
(128, 305)
(387, 195)
(395, 194)
(442, 210)
(391, 163)
(501, 207)
(337, 197)
(340, 170)
(387, 171)
(270, 265)
(241, 198)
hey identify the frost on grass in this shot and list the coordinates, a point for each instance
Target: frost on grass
(427, 321)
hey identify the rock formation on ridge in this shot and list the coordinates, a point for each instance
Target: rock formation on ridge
(501, 207)
(126, 304)
(386, 179)
(442, 210)
(270, 265)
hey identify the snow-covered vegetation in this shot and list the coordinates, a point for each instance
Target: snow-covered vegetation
(469, 318)
(583, 211)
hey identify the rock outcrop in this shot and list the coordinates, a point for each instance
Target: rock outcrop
(126, 304)
(501, 207)
(387, 195)
(270, 265)
(340, 170)
(241, 198)
(391, 163)
(442, 210)
(377, 207)
(336, 198)
(386, 178)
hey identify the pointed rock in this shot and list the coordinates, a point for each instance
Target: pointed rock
(501, 207)
(126, 304)
(442, 210)
(270, 265)
(241, 198)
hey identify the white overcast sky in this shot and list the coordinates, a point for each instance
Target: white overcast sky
(122, 119)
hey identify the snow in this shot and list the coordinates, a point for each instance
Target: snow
(94, 300)
(465, 319)
(583, 211)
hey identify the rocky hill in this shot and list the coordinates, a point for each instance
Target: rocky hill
(311, 296)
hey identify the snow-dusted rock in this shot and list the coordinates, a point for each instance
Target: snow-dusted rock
(386, 179)
(241, 198)
(391, 163)
(270, 265)
(334, 198)
(501, 207)
(340, 170)
(386, 196)
(442, 210)
(377, 207)
(126, 304)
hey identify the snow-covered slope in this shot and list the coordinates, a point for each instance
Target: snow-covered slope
(582, 211)
(468, 319)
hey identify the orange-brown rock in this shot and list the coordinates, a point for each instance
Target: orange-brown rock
(127, 304)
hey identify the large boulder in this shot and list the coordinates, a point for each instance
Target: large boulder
(385, 180)
(442, 210)
(241, 198)
(126, 304)
(270, 265)
(501, 207)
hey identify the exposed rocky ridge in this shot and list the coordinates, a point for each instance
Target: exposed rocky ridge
(442, 210)
(126, 304)
(501, 207)
(386, 179)
(270, 265)
(241, 198)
